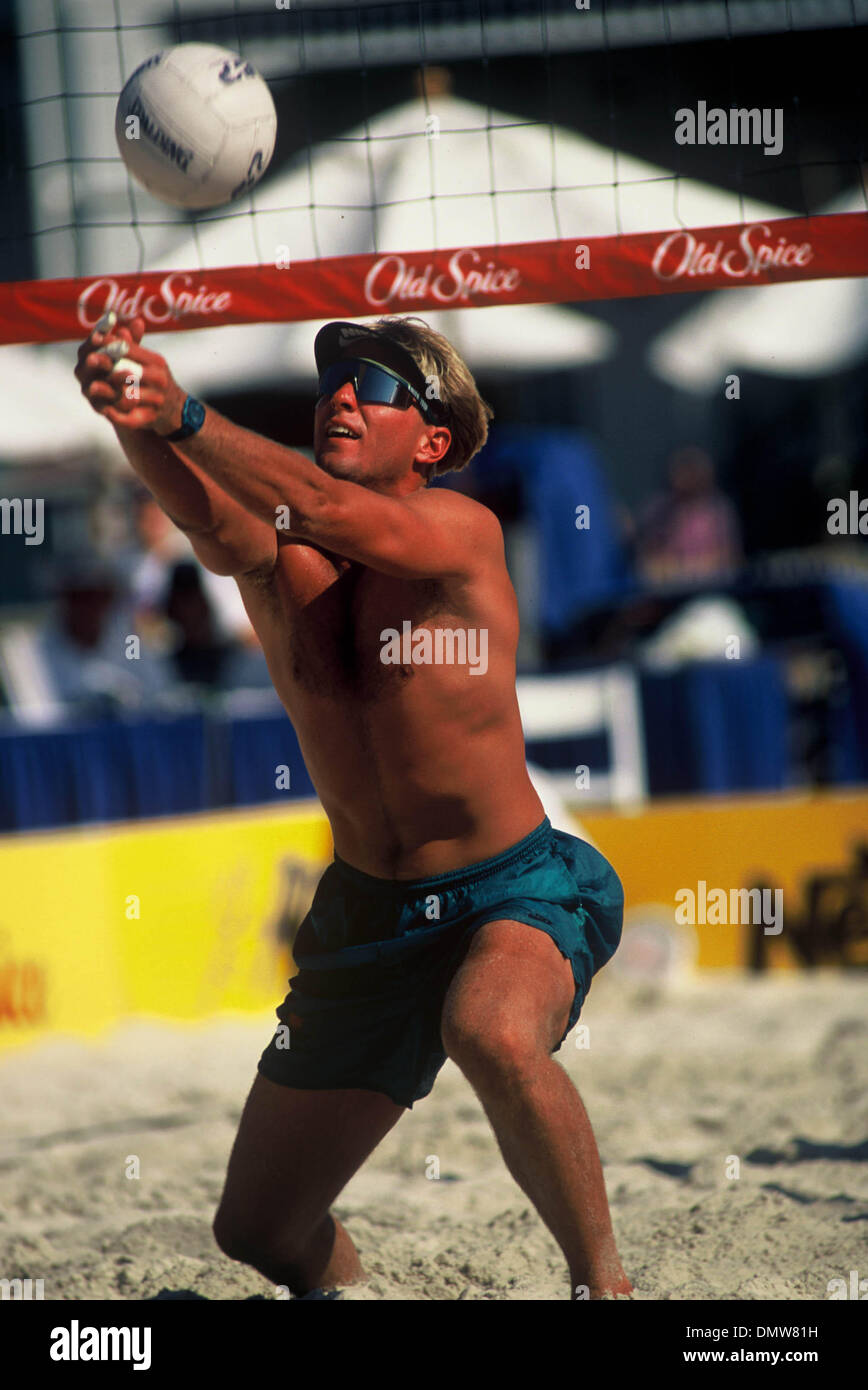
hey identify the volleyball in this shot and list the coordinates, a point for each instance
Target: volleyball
(195, 125)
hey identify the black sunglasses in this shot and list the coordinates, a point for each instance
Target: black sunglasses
(374, 385)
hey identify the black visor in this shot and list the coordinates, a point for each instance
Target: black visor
(373, 384)
(341, 344)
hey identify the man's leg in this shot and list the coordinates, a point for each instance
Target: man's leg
(505, 1011)
(294, 1153)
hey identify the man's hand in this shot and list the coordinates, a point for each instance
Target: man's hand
(131, 386)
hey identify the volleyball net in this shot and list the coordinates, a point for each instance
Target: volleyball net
(440, 156)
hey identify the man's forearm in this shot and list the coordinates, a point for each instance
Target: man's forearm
(227, 539)
(186, 494)
(261, 476)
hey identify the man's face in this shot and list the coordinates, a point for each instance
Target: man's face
(373, 444)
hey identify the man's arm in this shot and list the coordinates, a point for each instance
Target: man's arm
(224, 535)
(425, 535)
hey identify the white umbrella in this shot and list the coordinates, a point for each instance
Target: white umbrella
(480, 177)
(807, 328)
(44, 413)
(525, 337)
(497, 338)
(238, 356)
(423, 175)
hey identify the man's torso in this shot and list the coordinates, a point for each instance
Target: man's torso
(419, 763)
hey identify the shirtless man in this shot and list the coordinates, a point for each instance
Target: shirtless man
(454, 921)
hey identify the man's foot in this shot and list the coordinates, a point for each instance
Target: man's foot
(608, 1289)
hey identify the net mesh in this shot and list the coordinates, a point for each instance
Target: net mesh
(412, 127)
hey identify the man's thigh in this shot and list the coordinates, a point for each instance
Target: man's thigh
(294, 1152)
(513, 983)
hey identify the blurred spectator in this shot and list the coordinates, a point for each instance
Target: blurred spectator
(200, 654)
(210, 640)
(690, 532)
(89, 656)
(160, 547)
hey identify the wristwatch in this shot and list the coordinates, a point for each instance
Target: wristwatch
(192, 419)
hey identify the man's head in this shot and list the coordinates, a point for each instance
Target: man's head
(691, 472)
(436, 420)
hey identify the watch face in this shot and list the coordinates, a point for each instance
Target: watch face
(194, 413)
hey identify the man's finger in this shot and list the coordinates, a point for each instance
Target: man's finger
(116, 386)
(116, 349)
(135, 419)
(120, 350)
(89, 344)
(131, 351)
(140, 398)
(125, 366)
(98, 363)
(100, 390)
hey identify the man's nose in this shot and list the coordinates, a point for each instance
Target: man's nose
(345, 395)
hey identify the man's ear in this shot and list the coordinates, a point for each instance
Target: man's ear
(436, 446)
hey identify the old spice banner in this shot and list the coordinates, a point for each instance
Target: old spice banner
(545, 272)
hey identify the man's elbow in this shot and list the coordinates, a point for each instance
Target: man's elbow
(233, 557)
(322, 513)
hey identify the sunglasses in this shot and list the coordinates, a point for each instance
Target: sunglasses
(373, 385)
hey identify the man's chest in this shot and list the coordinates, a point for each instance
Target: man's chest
(327, 617)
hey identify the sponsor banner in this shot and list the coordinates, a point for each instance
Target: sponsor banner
(546, 272)
(732, 843)
(179, 919)
(188, 918)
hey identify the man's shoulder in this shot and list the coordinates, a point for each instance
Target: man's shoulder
(465, 511)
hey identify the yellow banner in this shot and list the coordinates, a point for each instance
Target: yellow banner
(184, 919)
(728, 844)
(179, 918)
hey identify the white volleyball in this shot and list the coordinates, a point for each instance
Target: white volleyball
(195, 125)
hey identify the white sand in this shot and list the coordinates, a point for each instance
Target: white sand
(773, 1072)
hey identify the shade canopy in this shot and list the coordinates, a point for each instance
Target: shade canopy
(809, 328)
(422, 175)
(499, 339)
(44, 413)
(445, 173)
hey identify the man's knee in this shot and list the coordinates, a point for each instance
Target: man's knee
(497, 1047)
(282, 1249)
(234, 1239)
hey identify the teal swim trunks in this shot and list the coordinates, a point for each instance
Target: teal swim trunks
(376, 956)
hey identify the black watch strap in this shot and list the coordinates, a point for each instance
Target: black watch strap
(192, 419)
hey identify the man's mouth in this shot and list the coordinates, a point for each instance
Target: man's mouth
(341, 432)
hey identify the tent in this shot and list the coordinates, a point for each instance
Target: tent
(813, 328)
(436, 173)
(44, 413)
(447, 172)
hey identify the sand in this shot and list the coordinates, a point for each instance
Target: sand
(679, 1080)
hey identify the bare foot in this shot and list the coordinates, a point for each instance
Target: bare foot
(619, 1287)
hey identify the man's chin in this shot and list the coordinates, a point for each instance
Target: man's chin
(336, 467)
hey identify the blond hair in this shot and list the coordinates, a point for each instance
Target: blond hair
(468, 414)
